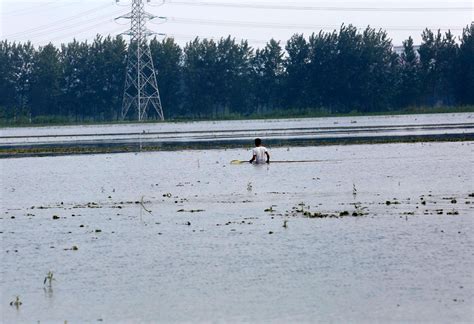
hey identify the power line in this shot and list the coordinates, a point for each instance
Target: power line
(250, 24)
(75, 25)
(76, 32)
(34, 9)
(319, 8)
(55, 23)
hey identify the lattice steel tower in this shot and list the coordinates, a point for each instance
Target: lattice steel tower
(141, 89)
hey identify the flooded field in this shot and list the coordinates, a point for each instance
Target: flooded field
(30, 141)
(372, 233)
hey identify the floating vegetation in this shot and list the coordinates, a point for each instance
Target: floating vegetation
(17, 303)
(249, 186)
(190, 210)
(93, 205)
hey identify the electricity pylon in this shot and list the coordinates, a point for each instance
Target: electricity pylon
(141, 89)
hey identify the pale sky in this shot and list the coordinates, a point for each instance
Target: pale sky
(57, 21)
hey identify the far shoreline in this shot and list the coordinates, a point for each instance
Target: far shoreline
(62, 150)
(292, 114)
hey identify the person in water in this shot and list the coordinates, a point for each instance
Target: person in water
(260, 153)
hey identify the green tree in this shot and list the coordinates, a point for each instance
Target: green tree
(106, 77)
(409, 86)
(46, 72)
(199, 76)
(74, 58)
(7, 81)
(268, 66)
(346, 92)
(233, 72)
(322, 68)
(376, 72)
(167, 58)
(465, 67)
(438, 67)
(296, 95)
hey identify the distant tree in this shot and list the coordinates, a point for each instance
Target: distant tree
(199, 76)
(296, 95)
(409, 76)
(74, 87)
(465, 67)
(447, 60)
(233, 73)
(340, 71)
(167, 58)
(268, 77)
(16, 64)
(45, 76)
(7, 81)
(376, 77)
(322, 68)
(438, 67)
(348, 63)
(106, 75)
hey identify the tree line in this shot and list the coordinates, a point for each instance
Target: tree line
(332, 72)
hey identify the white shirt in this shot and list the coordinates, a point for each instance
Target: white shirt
(259, 152)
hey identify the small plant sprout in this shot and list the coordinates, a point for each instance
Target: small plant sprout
(354, 190)
(249, 186)
(17, 303)
(285, 223)
(49, 278)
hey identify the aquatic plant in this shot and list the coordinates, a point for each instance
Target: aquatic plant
(359, 210)
(17, 303)
(49, 278)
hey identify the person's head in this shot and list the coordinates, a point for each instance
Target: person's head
(258, 142)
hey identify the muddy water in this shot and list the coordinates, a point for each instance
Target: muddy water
(231, 131)
(185, 236)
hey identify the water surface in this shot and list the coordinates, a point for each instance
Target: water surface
(209, 251)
